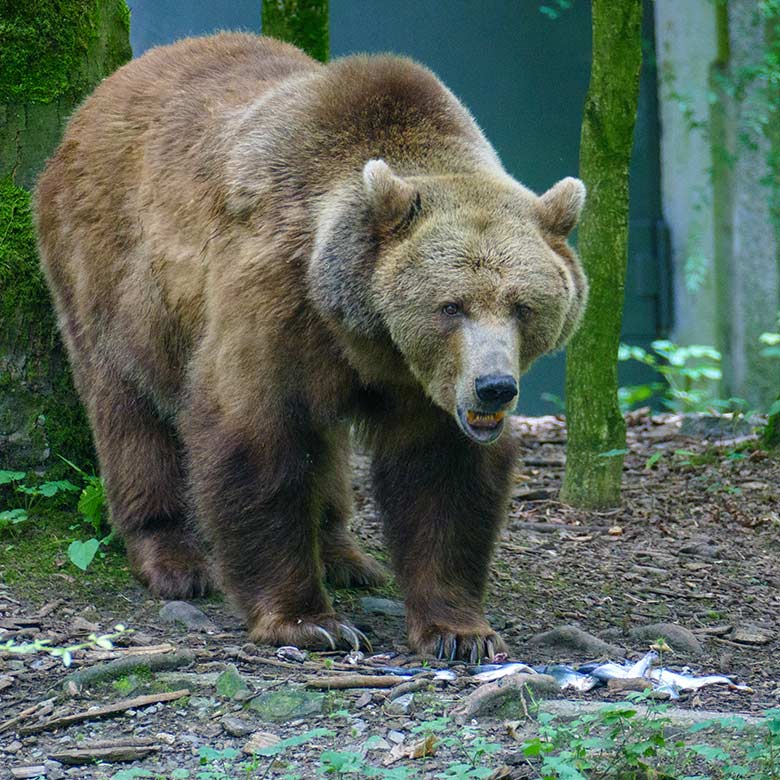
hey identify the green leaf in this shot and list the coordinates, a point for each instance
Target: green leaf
(82, 553)
(12, 516)
(612, 453)
(50, 489)
(774, 408)
(653, 459)
(7, 477)
(299, 739)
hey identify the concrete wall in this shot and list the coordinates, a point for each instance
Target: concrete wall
(726, 256)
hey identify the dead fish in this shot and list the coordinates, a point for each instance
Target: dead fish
(566, 677)
(490, 672)
(676, 681)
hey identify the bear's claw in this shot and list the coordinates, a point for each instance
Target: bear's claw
(324, 631)
(466, 647)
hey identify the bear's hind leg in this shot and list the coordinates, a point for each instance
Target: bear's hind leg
(141, 465)
(345, 564)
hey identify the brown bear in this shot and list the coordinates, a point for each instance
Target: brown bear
(252, 254)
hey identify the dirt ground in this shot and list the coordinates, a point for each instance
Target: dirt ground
(696, 543)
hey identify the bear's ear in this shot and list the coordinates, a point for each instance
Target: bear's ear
(559, 208)
(392, 199)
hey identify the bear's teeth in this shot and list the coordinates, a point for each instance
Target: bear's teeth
(484, 418)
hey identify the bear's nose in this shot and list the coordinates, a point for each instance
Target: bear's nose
(496, 388)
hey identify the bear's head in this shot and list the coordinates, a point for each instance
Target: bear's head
(469, 275)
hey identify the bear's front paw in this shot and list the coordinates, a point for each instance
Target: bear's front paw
(317, 632)
(452, 644)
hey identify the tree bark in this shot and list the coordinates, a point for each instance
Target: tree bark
(51, 56)
(596, 428)
(303, 23)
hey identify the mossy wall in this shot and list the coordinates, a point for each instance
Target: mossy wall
(52, 54)
(303, 23)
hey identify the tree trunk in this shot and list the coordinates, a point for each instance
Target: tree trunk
(51, 56)
(597, 433)
(300, 22)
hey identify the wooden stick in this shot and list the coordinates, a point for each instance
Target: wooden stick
(104, 712)
(355, 681)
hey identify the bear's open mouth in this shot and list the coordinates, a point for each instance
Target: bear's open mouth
(483, 427)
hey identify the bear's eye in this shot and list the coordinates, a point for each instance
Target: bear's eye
(523, 312)
(451, 309)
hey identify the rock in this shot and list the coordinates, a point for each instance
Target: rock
(362, 701)
(379, 606)
(230, 684)
(708, 426)
(290, 653)
(377, 743)
(13, 747)
(702, 548)
(681, 639)
(187, 615)
(751, 635)
(236, 727)
(260, 740)
(54, 770)
(396, 737)
(28, 771)
(403, 705)
(565, 639)
(289, 704)
(507, 698)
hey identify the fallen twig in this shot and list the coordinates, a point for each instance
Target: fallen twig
(355, 681)
(40, 709)
(155, 662)
(104, 712)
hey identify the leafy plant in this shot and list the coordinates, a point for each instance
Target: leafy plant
(103, 641)
(689, 373)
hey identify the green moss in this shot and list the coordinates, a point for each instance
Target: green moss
(303, 23)
(22, 288)
(33, 559)
(44, 46)
(37, 399)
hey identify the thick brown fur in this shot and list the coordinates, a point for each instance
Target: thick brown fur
(249, 252)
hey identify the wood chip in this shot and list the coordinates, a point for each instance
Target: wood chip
(28, 771)
(114, 754)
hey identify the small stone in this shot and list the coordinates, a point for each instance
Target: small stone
(23, 772)
(565, 639)
(286, 705)
(54, 770)
(230, 683)
(681, 639)
(236, 727)
(508, 698)
(379, 606)
(751, 635)
(396, 737)
(260, 740)
(702, 548)
(291, 653)
(13, 747)
(362, 701)
(187, 615)
(403, 705)
(377, 743)
(81, 626)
